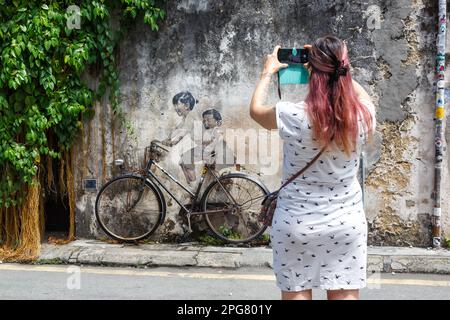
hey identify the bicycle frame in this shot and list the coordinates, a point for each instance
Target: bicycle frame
(194, 196)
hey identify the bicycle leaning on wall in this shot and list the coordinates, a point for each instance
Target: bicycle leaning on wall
(132, 206)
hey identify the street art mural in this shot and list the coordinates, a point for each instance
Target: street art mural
(209, 145)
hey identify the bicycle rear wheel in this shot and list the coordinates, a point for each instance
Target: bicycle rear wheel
(129, 209)
(238, 199)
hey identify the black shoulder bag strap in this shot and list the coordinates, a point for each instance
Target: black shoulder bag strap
(295, 176)
(279, 88)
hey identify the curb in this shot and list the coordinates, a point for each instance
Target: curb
(94, 252)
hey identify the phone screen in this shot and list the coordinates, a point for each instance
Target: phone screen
(293, 56)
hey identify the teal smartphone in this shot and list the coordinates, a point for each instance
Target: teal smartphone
(293, 74)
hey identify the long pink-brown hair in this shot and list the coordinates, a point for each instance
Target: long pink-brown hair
(332, 106)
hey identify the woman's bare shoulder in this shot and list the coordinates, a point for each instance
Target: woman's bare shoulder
(361, 92)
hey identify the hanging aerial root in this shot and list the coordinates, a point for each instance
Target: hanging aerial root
(22, 228)
(69, 185)
(2, 233)
(71, 192)
(49, 164)
(50, 176)
(62, 185)
(41, 215)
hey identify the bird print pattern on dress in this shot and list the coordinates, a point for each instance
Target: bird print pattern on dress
(322, 242)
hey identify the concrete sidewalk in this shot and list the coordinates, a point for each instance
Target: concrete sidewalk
(94, 252)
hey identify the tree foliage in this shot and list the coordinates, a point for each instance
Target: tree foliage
(42, 60)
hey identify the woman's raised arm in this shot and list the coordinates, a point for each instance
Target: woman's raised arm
(260, 112)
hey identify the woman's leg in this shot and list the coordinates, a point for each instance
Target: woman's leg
(298, 295)
(343, 294)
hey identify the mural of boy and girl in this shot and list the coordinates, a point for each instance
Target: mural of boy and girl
(211, 149)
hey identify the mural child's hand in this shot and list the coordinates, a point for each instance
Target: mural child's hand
(272, 65)
(167, 142)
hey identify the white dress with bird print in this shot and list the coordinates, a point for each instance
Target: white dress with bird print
(319, 230)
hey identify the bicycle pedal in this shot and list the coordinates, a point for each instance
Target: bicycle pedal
(188, 215)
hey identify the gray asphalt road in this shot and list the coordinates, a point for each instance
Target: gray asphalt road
(72, 282)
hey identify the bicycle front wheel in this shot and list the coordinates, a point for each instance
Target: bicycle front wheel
(129, 209)
(237, 198)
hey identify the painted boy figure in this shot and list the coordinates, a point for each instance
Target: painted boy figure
(212, 146)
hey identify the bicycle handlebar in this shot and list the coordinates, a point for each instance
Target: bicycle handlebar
(158, 144)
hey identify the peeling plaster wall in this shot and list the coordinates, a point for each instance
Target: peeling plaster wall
(399, 186)
(215, 49)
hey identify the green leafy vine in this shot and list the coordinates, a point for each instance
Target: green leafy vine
(43, 56)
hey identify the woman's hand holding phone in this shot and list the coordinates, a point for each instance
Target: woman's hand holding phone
(307, 46)
(272, 65)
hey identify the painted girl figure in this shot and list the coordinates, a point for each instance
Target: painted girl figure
(183, 103)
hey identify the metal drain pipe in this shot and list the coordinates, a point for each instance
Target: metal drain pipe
(439, 122)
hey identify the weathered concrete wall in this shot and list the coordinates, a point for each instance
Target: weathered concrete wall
(214, 49)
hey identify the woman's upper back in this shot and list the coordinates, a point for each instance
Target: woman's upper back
(333, 167)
